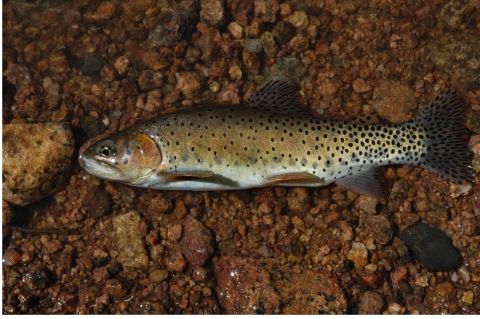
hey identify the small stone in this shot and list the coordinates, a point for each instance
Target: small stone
(358, 254)
(283, 32)
(109, 73)
(235, 72)
(299, 43)
(209, 44)
(457, 190)
(149, 80)
(298, 201)
(115, 288)
(58, 62)
(180, 210)
(192, 55)
(269, 45)
(173, 25)
(200, 274)
(298, 19)
(92, 126)
(176, 262)
(393, 101)
(11, 257)
(212, 13)
(103, 12)
(79, 85)
(52, 89)
(398, 274)
(467, 297)
(432, 247)
(298, 224)
(370, 303)
(92, 64)
(121, 64)
(36, 160)
(360, 86)
(380, 227)
(464, 273)
(346, 231)
(189, 83)
(254, 45)
(98, 202)
(453, 14)
(266, 10)
(196, 243)
(35, 278)
(158, 275)
(367, 204)
(396, 309)
(128, 240)
(174, 232)
(235, 29)
(289, 66)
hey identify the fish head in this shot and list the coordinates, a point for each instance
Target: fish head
(128, 157)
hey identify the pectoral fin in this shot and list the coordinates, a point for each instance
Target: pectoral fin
(365, 183)
(294, 179)
(176, 176)
(198, 176)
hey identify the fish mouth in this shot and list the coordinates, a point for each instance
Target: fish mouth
(102, 169)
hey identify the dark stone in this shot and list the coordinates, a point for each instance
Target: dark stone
(92, 126)
(93, 64)
(35, 278)
(432, 247)
(98, 202)
(283, 32)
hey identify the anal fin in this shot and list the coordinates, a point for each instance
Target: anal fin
(366, 182)
(294, 179)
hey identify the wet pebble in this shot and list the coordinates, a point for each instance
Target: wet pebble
(196, 243)
(254, 45)
(257, 286)
(283, 32)
(380, 227)
(79, 85)
(298, 201)
(98, 202)
(35, 278)
(269, 45)
(158, 275)
(11, 257)
(173, 24)
(176, 262)
(393, 101)
(92, 64)
(128, 240)
(114, 288)
(398, 274)
(358, 254)
(212, 12)
(36, 160)
(432, 247)
(370, 303)
(189, 83)
(150, 80)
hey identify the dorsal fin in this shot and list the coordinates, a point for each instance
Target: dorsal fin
(278, 95)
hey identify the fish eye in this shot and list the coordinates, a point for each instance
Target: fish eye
(107, 150)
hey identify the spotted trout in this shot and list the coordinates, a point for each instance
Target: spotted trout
(273, 140)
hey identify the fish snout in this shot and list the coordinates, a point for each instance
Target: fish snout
(81, 160)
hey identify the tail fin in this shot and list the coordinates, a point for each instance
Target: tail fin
(447, 146)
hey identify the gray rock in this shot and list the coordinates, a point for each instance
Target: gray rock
(36, 160)
(432, 247)
(254, 45)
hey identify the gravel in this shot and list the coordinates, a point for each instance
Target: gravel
(106, 248)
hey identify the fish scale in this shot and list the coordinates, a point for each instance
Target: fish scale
(273, 140)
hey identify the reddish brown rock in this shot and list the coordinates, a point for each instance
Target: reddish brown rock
(209, 43)
(370, 303)
(380, 227)
(298, 201)
(394, 101)
(196, 243)
(249, 286)
(212, 13)
(266, 10)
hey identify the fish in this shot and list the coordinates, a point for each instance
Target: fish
(273, 140)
